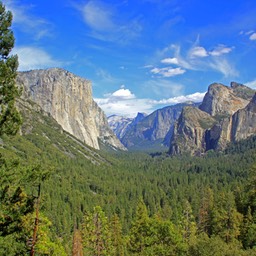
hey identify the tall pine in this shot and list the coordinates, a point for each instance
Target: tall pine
(10, 119)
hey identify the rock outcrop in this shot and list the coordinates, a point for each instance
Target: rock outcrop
(190, 130)
(227, 114)
(68, 99)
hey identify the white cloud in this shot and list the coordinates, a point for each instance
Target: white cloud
(34, 58)
(168, 72)
(251, 84)
(123, 94)
(123, 102)
(170, 61)
(253, 36)
(220, 49)
(195, 97)
(198, 51)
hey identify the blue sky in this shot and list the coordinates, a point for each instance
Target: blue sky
(140, 54)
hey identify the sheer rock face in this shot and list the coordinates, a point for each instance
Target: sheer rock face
(190, 130)
(68, 99)
(231, 116)
(222, 100)
(244, 122)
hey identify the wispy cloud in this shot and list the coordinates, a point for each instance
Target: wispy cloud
(34, 58)
(107, 24)
(220, 50)
(223, 66)
(163, 87)
(98, 16)
(197, 58)
(27, 22)
(251, 84)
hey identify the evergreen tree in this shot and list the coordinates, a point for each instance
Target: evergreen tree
(10, 119)
(226, 219)
(140, 230)
(116, 236)
(188, 224)
(205, 212)
(96, 235)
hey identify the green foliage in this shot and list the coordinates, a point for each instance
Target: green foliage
(10, 119)
(15, 205)
(96, 234)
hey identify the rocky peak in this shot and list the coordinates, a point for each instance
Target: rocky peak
(68, 99)
(139, 117)
(221, 100)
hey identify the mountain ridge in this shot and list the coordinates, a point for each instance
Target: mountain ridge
(224, 117)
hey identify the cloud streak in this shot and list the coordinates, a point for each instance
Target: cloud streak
(34, 58)
(168, 71)
(27, 22)
(108, 25)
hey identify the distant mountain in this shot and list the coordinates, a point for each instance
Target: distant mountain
(68, 99)
(148, 132)
(119, 124)
(227, 114)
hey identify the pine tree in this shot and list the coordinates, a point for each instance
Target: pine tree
(116, 236)
(96, 235)
(188, 224)
(10, 119)
(140, 230)
(226, 219)
(205, 212)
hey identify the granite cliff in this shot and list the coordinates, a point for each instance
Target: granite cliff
(68, 99)
(227, 114)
